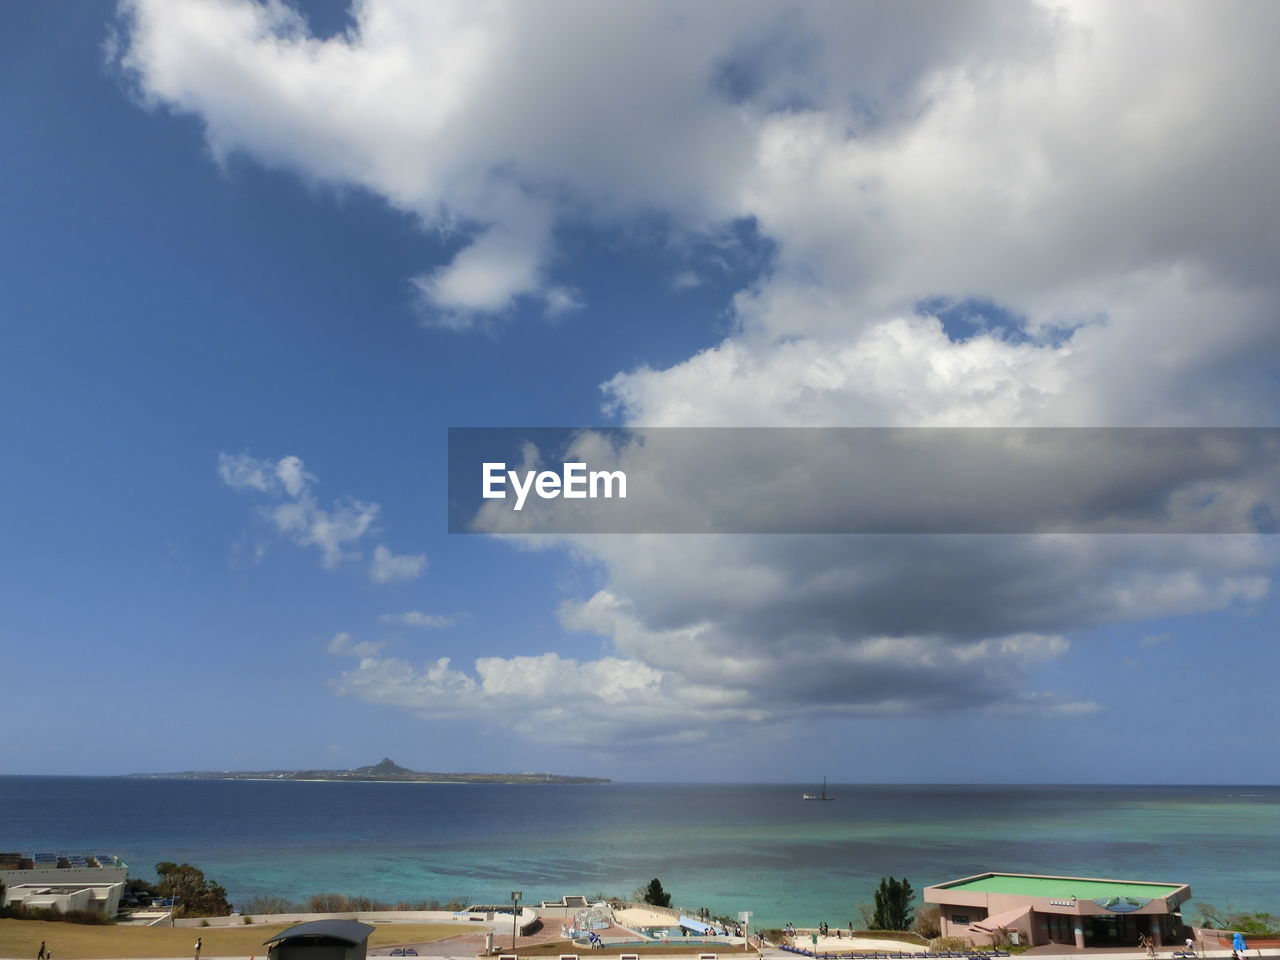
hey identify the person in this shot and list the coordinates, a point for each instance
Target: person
(42, 954)
(1191, 946)
(199, 944)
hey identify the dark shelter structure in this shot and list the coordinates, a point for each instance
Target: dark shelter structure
(321, 940)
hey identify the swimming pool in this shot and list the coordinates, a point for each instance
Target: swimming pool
(691, 941)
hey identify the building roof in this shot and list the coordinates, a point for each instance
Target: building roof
(348, 931)
(1062, 888)
(44, 861)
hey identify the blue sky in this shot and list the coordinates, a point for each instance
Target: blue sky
(235, 235)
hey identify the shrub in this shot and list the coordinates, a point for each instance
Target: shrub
(17, 911)
(267, 903)
(928, 921)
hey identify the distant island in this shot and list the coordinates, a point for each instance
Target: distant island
(388, 771)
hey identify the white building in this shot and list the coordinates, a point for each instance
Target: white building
(64, 882)
(101, 898)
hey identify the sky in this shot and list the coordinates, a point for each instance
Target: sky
(257, 258)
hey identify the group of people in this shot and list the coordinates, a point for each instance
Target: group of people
(824, 930)
(1149, 945)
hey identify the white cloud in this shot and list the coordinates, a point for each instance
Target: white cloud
(242, 472)
(342, 645)
(685, 280)
(1102, 170)
(553, 699)
(416, 618)
(500, 265)
(387, 566)
(562, 300)
(297, 516)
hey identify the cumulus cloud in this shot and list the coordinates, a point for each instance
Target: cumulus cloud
(554, 699)
(878, 480)
(296, 515)
(1100, 172)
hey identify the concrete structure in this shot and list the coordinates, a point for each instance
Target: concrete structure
(560, 910)
(321, 940)
(19, 868)
(101, 898)
(64, 881)
(1080, 911)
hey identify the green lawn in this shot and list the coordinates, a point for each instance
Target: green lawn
(79, 941)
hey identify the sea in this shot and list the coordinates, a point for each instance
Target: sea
(726, 847)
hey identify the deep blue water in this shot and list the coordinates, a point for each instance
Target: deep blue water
(727, 847)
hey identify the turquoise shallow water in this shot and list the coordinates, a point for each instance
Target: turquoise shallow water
(727, 847)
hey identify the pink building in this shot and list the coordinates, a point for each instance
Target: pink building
(1080, 911)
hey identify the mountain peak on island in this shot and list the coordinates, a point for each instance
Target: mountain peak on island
(385, 766)
(384, 771)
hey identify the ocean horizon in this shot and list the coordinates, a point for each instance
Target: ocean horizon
(727, 847)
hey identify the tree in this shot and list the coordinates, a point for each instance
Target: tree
(654, 894)
(866, 916)
(893, 905)
(1209, 916)
(197, 896)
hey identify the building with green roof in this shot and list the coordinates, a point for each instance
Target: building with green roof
(1079, 911)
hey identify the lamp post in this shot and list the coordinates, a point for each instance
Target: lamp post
(515, 913)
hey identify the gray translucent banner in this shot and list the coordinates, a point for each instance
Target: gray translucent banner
(547, 480)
